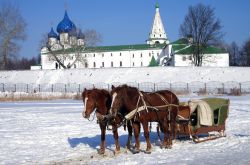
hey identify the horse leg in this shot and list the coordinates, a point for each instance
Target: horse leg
(146, 135)
(117, 144)
(170, 131)
(165, 130)
(136, 126)
(129, 135)
(103, 132)
(173, 125)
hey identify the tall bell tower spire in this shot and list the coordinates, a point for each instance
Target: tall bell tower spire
(157, 34)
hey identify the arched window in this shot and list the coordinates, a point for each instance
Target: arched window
(94, 65)
(112, 64)
(120, 63)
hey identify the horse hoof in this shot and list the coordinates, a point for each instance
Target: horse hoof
(101, 151)
(136, 151)
(116, 152)
(163, 146)
(168, 147)
(148, 152)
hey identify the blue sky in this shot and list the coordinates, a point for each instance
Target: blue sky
(126, 21)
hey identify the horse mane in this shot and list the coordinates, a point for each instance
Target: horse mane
(127, 87)
(106, 94)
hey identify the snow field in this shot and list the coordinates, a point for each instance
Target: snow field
(49, 132)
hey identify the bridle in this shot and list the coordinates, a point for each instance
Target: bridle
(85, 108)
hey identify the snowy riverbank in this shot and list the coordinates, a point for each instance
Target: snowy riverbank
(123, 75)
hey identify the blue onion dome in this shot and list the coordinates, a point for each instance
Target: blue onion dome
(80, 35)
(52, 34)
(66, 25)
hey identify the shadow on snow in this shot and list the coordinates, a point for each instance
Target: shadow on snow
(94, 142)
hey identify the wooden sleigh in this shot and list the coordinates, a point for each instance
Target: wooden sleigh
(191, 125)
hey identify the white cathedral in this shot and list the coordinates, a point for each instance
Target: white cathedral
(157, 46)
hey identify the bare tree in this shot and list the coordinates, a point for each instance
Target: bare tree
(61, 55)
(201, 25)
(92, 37)
(12, 30)
(234, 54)
(246, 52)
(44, 41)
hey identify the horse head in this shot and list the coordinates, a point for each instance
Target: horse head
(117, 94)
(123, 99)
(89, 101)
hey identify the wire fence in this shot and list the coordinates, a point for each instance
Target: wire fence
(213, 87)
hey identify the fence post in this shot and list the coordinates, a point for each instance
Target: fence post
(205, 87)
(154, 87)
(170, 86)
(27, 88)
(240, 87)
(223, 90)
(187, 88)
(3, 88)
(52, 88)
(79, 88)
(39, 88)
(65, 88)
(15, 87)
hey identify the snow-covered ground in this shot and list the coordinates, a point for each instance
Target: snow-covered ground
(123, 75)
(50, 132)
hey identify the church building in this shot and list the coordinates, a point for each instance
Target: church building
(67, 47)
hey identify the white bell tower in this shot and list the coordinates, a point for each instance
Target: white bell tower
(157, 34)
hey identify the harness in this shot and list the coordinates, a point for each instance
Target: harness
(138, 109)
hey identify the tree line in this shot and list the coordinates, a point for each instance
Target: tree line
(23, 63)
(239, 55)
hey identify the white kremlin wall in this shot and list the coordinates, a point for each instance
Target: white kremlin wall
(123, 75)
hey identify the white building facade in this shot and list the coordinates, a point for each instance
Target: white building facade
(67, 47)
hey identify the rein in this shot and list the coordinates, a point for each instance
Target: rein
(93, 116)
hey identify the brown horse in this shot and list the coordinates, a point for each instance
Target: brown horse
(160, 106)
(100, 100)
